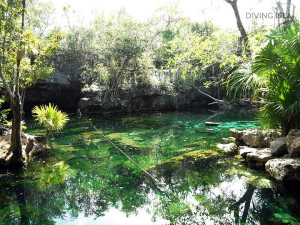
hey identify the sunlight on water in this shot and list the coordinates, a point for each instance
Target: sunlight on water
(86, 180)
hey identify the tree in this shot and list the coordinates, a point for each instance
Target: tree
(285, 17)
(275, 77)
(50, 117)
(22, 62)
(202, 60)
(244, 41)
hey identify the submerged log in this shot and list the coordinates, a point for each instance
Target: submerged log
(212, 124)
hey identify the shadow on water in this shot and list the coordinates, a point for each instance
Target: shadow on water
(245, 199)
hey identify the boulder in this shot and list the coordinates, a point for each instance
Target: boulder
(278, 147)
(255, 137)
(268, 136)
(293, 143)
(295, 148)
(236, 134)
(239, 142)
(244, 150)
(284, 169)
(252, 138)
(257, 159)
(291, 136)
(228, 148)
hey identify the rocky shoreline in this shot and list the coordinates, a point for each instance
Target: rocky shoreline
(266, 150)
(33, 147)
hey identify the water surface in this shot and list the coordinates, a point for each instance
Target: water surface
(86, 180)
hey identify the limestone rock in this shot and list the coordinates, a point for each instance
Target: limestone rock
(251, 138)
(239, 142)
(255, 137)
(244, 150)
(295, 148)
(278, 147)
(284, 169)
(128, 99)
(269, 136)
(291, 136)
(236, 134)
(293, 143)
(228, 148)
(257, 159)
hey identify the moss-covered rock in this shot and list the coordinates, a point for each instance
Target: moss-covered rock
(199, 158)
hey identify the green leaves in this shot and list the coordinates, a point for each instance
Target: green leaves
(274, 75)
(14, 40)
(197, 57)
(50, 117)
(4, 112)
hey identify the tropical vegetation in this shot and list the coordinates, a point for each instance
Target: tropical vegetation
(23, 60)
(117, 51)
(50, 117)
(274, 77)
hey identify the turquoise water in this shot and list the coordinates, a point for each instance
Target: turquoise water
(86, 180)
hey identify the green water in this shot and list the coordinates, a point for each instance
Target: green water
(86, 180)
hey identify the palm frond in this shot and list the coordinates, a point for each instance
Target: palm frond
(50, 117)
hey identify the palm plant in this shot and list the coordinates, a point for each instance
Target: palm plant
(50, 117)
(275, 76)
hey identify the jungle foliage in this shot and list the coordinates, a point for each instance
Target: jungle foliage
(117, 50)
(274, 77)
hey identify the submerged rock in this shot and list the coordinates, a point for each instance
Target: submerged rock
(195, 158)
(126, 140)
(278, 147)
(284, 169)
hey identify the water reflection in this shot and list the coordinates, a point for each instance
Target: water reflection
(96, 184)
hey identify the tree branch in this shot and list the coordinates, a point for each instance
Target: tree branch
(216, 100)
(7, 89)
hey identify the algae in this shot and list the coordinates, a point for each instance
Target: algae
(126, 140)
(105, 181)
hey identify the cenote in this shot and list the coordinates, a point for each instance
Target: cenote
(86, 180)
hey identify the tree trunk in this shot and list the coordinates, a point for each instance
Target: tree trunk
(16, 139)
(47, 136)
(288, 8)
(244, 37)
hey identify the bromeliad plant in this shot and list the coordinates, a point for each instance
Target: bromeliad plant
(275, 77)
(50, 117)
